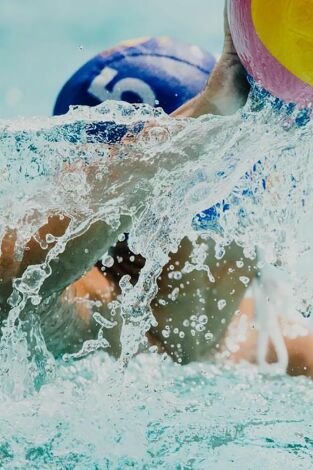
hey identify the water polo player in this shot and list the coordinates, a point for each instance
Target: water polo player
(165, 73)
(172, 75)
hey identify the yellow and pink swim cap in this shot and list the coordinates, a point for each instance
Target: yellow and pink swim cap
(274, 40)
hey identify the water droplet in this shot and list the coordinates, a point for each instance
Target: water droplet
(209, 336)
(245, 280)
(174, 294)
(203, 319)
(107, 261)
(36, 299)
(176, 275)
(50, 238)
(219, 252)
(103, 321)
(166, 333)
(200, 327)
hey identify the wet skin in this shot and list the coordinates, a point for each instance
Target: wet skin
(178, 319)
(225, 92)
(191, 326)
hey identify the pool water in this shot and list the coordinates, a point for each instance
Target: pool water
(144, 412)
(97, 412)
(160, 416)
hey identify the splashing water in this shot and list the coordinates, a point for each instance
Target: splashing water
(253, 170)
(159, 415)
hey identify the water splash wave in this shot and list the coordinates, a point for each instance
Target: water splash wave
(252, 170)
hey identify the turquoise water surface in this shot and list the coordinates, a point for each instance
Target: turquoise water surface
(95, 414)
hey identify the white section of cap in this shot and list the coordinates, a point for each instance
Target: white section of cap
(98, 87)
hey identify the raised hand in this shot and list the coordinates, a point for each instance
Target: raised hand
(227, 88)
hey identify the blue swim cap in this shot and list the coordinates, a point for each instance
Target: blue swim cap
(157, 71)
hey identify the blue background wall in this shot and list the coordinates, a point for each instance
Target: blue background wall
(42, 42)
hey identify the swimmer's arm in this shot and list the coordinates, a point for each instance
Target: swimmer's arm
(224, 93)
(89, 243)
(227, 88)
(126, 169)
(79, 255)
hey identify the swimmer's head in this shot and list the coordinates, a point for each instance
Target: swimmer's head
(160, 72)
